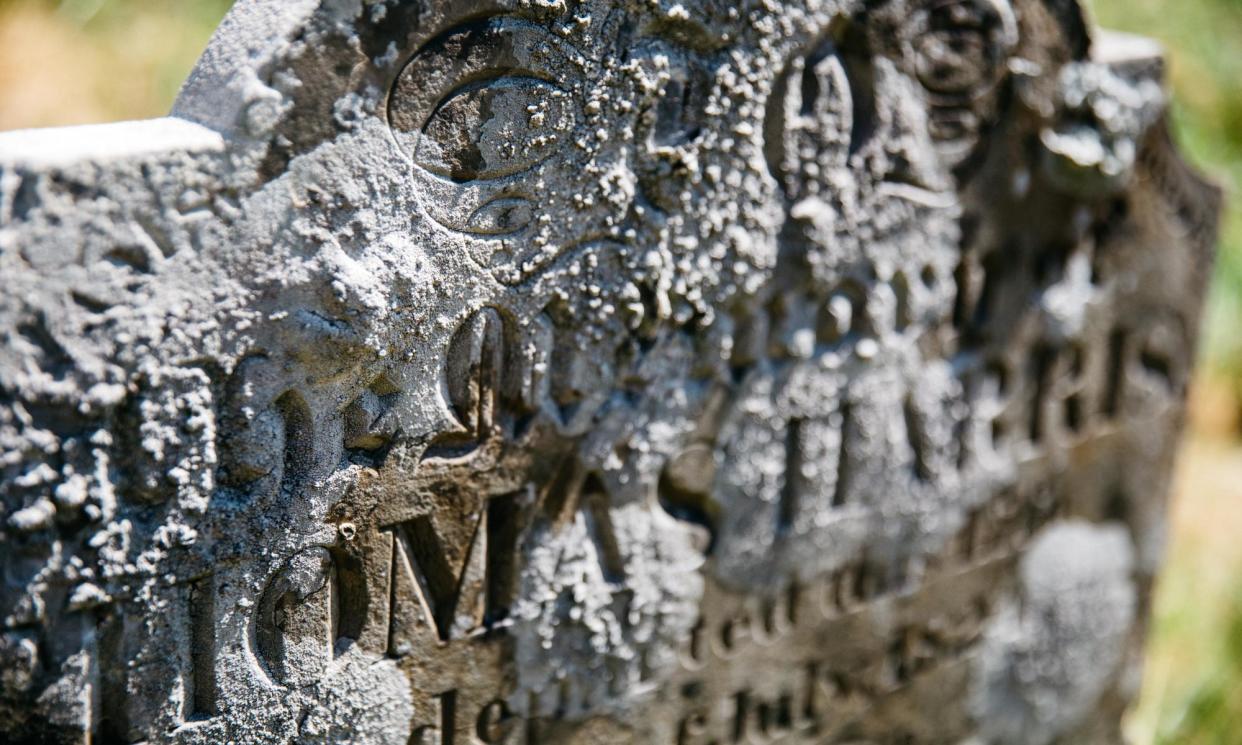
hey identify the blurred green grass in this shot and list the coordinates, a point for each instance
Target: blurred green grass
(80, 61)
(83, 61)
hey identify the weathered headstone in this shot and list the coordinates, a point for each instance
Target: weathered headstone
(572, 371)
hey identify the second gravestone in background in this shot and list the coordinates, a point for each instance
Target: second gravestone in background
(585, 372)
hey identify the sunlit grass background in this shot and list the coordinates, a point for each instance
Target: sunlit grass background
(80, 61)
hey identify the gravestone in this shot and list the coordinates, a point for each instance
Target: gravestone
(587, 371)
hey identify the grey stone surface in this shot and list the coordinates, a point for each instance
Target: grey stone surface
(570, 371)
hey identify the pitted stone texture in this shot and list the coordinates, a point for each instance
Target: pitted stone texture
(593, 371)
